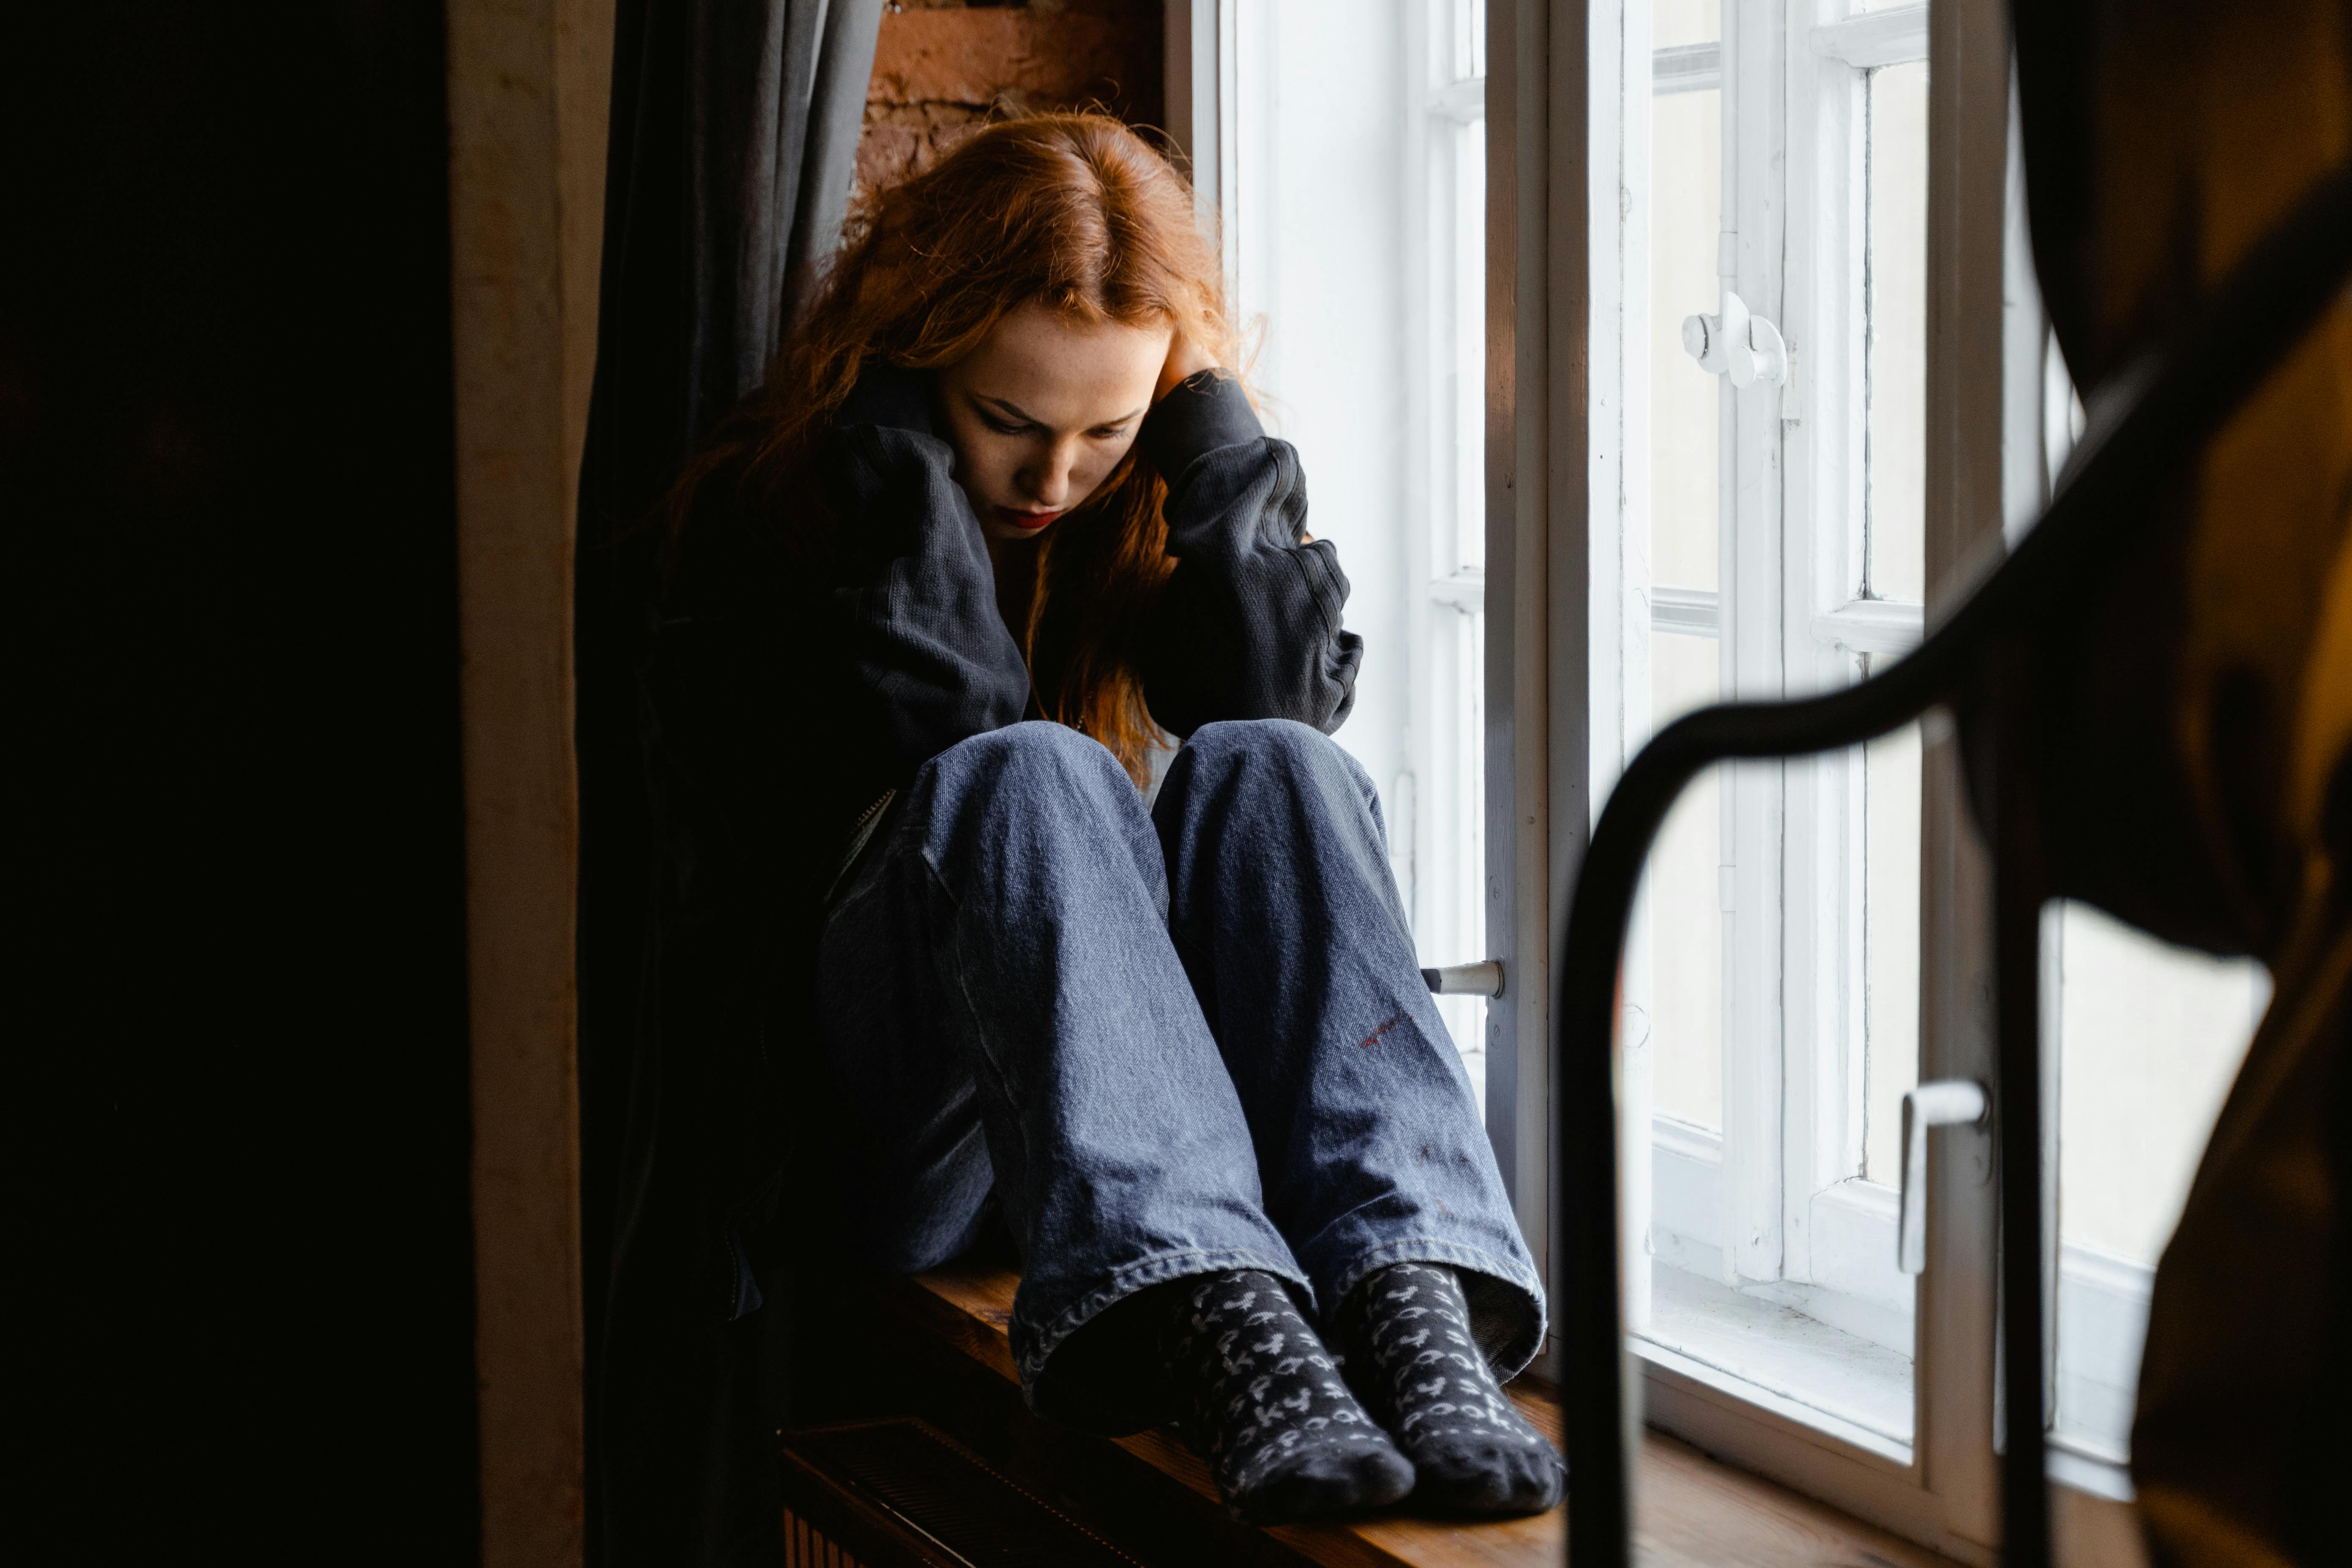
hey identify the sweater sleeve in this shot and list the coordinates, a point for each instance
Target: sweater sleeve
(1248, 625)
(914, 602)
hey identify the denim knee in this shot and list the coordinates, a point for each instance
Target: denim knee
(1285, 742)
(1269, 747)
(1027, 794)
(1034, 760)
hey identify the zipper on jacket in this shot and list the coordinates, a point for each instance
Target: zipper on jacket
(861, 833)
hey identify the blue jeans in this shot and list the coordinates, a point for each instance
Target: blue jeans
(1174, 1043)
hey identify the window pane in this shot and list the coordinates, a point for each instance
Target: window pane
(1348, 306)
(2150, 1037)
(1685, 908)
(1890, 946)
(1677, 22)
(1685, 215)
(1468, 371)
(1894, 291)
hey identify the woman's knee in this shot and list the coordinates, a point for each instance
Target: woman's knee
(1281, 744)
(1035, 763)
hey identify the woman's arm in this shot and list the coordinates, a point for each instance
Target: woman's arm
(1248, 626)
(913, 600)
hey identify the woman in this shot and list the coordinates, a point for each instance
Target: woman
(1004, 520)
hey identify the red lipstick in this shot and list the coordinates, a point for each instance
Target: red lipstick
(1031, 520)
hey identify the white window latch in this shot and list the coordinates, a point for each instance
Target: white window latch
(1467, 979)
(1737, 343)
(1947, 1102)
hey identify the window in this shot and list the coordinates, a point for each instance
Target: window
(1781, 988)
(1447, 100)
(1560, 540)
(2148, 1040)
(1352, 208)
(1779, 979)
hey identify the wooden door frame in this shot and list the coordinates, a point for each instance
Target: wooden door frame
(529, 86)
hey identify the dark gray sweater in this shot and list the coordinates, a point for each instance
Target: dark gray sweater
(797, 682)
(1247, 627)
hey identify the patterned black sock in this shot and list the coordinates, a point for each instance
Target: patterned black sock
(1265, 1404)
(1406, 1334)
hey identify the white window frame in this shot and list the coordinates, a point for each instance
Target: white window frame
(1446, 102)
(1790, 1220)
(1775, 1203)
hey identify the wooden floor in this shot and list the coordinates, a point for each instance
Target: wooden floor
(1692, 1511)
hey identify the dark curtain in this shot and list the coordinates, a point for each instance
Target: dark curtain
(734, 133)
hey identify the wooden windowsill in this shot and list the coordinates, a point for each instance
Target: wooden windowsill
(1690, 1510)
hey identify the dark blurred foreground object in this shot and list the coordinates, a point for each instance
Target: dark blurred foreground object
(2191, 736)
(2155, 695)
(240, 1206)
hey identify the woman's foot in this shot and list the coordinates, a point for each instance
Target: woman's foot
(1406, 1334)
(1265, 1404)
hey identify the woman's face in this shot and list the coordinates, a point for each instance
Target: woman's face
(1042, 411)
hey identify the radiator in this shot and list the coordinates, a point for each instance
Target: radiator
(900, 1494)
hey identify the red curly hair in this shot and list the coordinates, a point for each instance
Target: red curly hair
(1075, 212)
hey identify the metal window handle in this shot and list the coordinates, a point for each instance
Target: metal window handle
(1467, 979)
(1737, 343)
(1947, 1102)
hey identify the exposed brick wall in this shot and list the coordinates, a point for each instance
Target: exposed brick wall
(942, 68)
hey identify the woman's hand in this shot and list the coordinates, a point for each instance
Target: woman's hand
(1185, 359)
